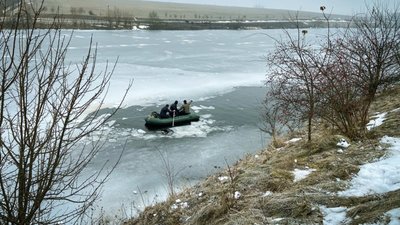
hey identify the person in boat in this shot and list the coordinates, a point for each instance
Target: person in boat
(185, 108)
(174, 108)
(165, 112)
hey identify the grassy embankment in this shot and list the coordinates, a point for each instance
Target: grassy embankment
(126, 14)
(268, 192)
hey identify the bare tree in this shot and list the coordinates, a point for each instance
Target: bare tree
(337, 79)
(363, 60)
(42, 102)
(341, 103)
(293, 76)
(373, 49)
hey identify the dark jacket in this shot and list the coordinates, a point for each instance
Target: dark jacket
(174, 107)
(164, 113)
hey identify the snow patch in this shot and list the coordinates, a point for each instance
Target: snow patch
(179, 204)
(223, 179)
(394, 215)
(343, 143)
(378, 177)
(293, 140)
(333, 216)
(237, 195)
(266, 194)
(301, 174)
(377, 121)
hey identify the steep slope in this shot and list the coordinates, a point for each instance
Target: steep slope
(330, 181)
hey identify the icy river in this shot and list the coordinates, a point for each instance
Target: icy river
(221, 71)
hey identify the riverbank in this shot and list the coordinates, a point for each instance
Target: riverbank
(104, 23)
(301, 183)
(149, 15)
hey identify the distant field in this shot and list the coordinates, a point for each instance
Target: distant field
(139, 14)
(142, 9)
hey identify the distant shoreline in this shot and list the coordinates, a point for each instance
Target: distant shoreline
(104, 23)
(240, 25)
(152, 15)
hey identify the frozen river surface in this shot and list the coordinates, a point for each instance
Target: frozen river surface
(221, 71)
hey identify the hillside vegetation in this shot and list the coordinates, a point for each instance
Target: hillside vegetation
(128, 14)
(263, 188)
(142, 9)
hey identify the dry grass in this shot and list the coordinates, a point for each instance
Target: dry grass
(270, 196)
(389, 102)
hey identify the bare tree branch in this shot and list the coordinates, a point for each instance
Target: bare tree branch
(42, 103)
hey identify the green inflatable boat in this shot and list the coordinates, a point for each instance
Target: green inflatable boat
(153, 121)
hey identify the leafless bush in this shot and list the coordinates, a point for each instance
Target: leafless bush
(292, 77)
(42, 102)
(362, 62)
(337, 79)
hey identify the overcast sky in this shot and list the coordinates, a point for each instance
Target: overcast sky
(347, 7)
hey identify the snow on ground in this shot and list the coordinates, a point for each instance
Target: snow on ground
(373, 178)
(377, 121)
(343, 143)
(333, 216)
(394, 215)
(293, 140)
(301, 174)
(378, 177)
